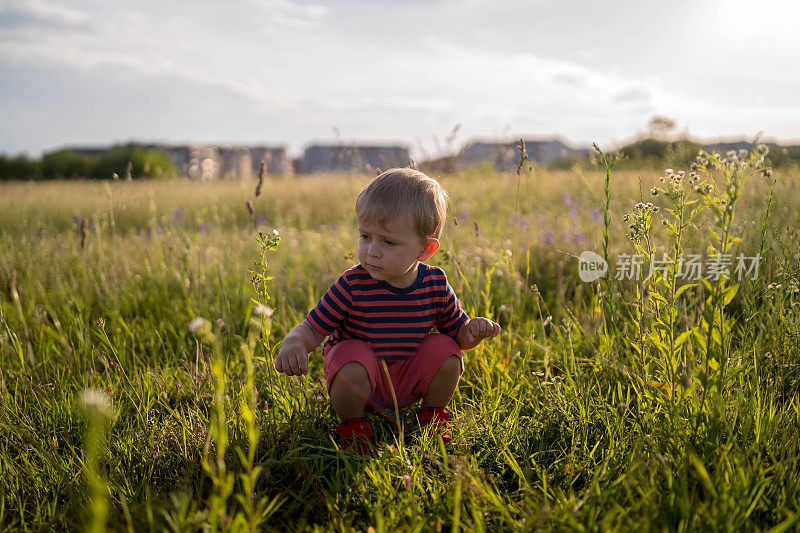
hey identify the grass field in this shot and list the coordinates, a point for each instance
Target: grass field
(660, 403)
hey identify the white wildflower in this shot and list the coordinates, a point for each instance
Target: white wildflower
(263, 310)
(97, 400)
(197, 324)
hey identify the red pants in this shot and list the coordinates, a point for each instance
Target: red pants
(408, 378)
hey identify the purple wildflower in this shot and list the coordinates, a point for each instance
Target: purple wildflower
(548, 236)
(567, 199)
(177, 215)
(594, 214)
(573, 213)
(202, 228)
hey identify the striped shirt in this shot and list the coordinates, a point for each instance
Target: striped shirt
(392, 320)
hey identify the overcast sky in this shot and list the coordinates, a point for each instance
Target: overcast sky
(292, 72)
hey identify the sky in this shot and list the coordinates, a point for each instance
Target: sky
(292, 72)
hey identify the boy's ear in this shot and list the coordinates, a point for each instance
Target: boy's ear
(428, 249)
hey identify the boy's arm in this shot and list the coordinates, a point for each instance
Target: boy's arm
(292, 359)
(474, 330)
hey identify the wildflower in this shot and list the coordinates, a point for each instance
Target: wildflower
(573, 213)
(654, 191)
(547, 321)
(407, 481)
(98, 401)
(567, 199)
(669, 171)
(197, 324)
(681, 173)
(263, 310)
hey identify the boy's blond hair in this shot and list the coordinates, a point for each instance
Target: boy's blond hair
(402, 192)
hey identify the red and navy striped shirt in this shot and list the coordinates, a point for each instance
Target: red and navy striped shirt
(392, 320)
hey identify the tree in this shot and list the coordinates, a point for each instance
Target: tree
(659, 127)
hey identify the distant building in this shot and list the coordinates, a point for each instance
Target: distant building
(208, 162)
(505, 156)
(724, 147)
(215, 162)
(353, 158)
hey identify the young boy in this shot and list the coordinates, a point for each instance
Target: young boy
(379, 315)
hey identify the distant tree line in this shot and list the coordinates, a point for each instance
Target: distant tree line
(681, 152)
(119, 162)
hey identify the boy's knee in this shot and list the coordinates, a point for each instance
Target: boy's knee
(451, 366)
(354, 374)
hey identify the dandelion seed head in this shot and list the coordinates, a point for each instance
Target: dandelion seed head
(97, 400)
(263, 310)
(197, 324)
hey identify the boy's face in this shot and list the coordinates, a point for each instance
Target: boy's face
(391, 252)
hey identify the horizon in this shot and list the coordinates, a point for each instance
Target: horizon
(399, 143)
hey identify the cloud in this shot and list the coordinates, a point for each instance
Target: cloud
(285, 13)
(572, 79)
(636, 95)
(38, 14)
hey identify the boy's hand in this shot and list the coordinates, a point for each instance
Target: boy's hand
(292, 360)
(472, 332)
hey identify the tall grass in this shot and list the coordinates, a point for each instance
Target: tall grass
(562, 422)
